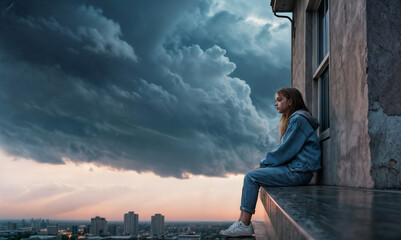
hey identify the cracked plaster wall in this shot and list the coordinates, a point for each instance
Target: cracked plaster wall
(349, 139)
(384, 81)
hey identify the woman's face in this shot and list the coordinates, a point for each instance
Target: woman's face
(282, 104)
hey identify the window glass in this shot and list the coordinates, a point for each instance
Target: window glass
(324, 112)
(323, 30)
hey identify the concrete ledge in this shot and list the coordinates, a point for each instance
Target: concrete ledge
(323, 212)
(279, 225)
(260, 230)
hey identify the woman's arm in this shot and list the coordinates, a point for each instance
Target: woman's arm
(293, 140)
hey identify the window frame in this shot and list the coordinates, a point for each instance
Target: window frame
(322, 31)
(321, 65)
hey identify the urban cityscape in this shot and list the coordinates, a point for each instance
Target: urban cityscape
(99, 228)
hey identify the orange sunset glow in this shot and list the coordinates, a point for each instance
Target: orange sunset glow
(82, 191)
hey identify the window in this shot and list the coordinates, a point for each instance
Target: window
(321, 75)
(323, 30)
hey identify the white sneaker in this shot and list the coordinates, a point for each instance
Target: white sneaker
(238, 229)
(234, 225)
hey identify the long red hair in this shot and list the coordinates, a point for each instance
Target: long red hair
(297, 103)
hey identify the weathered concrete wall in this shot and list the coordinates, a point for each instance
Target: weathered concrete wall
(365, 90)
(349, 145)
(302, 47)
(384, 81)
(303, 68)
(346, 155)
(298, 47)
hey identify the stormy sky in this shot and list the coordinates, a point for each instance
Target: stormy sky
(173, 87)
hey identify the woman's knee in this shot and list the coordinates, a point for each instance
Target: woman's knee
(250, 176)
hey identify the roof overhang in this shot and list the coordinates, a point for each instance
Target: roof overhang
(282, 5)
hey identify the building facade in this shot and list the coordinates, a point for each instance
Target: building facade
(131, 224)
(11, 226)
(346, 62)
(74, 229)
(35, 224)
(157, 225)
(52, 229)
(98, 226)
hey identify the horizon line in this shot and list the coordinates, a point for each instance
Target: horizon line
(84, 220)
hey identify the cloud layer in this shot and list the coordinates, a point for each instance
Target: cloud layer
(177, 92)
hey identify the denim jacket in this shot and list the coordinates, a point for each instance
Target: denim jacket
(299, 147)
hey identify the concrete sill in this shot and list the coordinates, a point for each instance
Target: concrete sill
(324, 135)
(320, 69)
(324, 212)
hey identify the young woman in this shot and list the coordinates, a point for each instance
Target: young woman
(291, 163)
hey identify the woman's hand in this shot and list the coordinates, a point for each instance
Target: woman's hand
(256, 167)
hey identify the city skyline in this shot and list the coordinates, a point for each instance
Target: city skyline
(110, 107)
(192, 199)
(80, 230)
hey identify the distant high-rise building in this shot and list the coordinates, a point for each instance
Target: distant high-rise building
(131, 224)
(74, 229)
(43, 223)
(98, 226)
(157, 225)
(11, 226)
(52, 229)
(35, 224)
(115, 230)
(85, 229)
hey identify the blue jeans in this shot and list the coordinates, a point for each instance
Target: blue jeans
(279, 176)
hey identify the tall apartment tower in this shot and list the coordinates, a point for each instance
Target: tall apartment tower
(35, 224)
(157, 225)
(131, 224)
(11, 226)
(74, 229)
(52, 229)
(98, 226)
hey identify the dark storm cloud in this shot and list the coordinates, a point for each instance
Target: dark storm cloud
(261, 51)
(126, 86)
